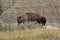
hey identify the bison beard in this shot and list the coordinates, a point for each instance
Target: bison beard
(31, 17)
(42, 21)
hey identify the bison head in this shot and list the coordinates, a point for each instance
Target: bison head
(42, 20)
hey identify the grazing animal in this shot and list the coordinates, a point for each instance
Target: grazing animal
(31, 17)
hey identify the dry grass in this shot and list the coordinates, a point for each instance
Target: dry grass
(32, 34)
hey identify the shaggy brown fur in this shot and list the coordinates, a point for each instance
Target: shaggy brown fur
(31, 17)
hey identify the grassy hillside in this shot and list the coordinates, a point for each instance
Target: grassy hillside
(34, 34)
(47, 8)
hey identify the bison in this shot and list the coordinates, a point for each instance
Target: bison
(31, 17)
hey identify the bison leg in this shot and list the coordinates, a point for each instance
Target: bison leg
(43, 24)
(18, 24)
